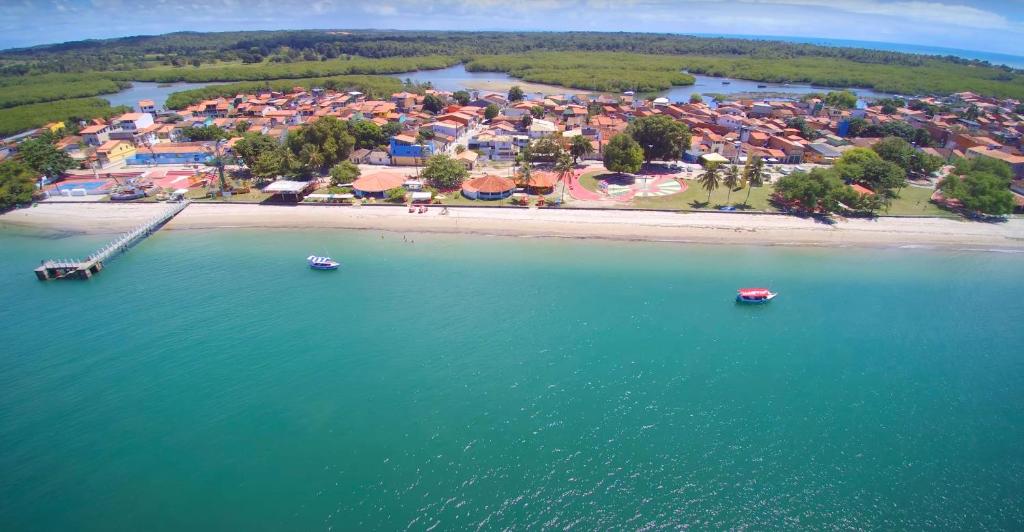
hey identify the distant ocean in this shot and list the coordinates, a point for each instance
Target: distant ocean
(1015, 61)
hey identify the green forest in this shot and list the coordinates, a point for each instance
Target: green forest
(53, 82)
(597, 71)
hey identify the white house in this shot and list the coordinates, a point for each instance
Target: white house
(541, 128)
(448, 128)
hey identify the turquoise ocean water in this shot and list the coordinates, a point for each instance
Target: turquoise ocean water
(207, 380)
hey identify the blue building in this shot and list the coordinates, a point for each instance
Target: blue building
(405, 151)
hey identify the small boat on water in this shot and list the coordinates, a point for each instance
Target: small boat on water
(754, 295)
(322, 263)
(726, 82)
(762, 86)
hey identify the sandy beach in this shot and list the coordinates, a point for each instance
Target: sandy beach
(714, 228)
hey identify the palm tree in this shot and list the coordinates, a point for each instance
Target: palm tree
(731, 180)
(753, 173)
(523, 176)
(565, 167)
(709, 179)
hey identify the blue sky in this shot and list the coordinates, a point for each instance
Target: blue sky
(985, 25)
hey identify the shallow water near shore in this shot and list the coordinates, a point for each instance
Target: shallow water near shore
(209, 380)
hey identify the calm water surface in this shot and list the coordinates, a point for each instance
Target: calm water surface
(142, 90)
(458, 78)
(210, 381)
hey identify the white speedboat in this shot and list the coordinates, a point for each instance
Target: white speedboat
(322, 263)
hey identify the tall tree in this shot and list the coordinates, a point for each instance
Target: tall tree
(516, 94)
(545, 149)
(432, 103)
(344, 172)
(42, 156)
(580, 147)
(367, 134)
(565, 167)
(623, 155)
(17, 183)
(660, 137)
(461, 97)
(318, 146)
(731, 179)
(491, 111)
(980, 191)
(444, 173)
(753, 174)
(709, 179)
(253, 145)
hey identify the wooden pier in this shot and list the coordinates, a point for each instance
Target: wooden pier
(93, 264)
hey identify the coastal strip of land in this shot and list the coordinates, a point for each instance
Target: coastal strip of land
(708, 228)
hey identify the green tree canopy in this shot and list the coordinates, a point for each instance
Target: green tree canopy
(660, 137)
(461, 97)
(696, 98)
(820, 190)
(491, 111)
(580, 147)
(42, 156)
(367, 134)
(344, 172)
(268, 164)
(17, 183)
(317, 146)
(202, 133)
(901, 152)
(252, 145)
(623, 154)
(515, 94)
(545, 149)
(980, 191)
(444, 173)
(841, 99)
(432, 103)
(983, 164)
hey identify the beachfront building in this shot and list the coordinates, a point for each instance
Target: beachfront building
(489, 187)
(406, 151)
(376, 185)
(289, 191)
(147, 106)
(114, 153)
(542, 182)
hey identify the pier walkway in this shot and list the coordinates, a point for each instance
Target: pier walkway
(93, 264)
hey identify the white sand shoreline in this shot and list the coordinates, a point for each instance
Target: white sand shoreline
(699, 228)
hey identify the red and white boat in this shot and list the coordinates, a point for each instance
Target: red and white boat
(754, 295)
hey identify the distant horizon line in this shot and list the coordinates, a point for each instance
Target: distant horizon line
(923, 49)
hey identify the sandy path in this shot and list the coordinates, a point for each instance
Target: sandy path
(722, 228)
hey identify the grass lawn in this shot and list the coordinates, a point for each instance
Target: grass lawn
(694, 197)
(915, 201)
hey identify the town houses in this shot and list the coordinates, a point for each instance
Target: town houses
(779, 131)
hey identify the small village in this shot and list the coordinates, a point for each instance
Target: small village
(509, 146)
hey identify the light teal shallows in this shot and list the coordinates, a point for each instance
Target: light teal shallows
(210, 381)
